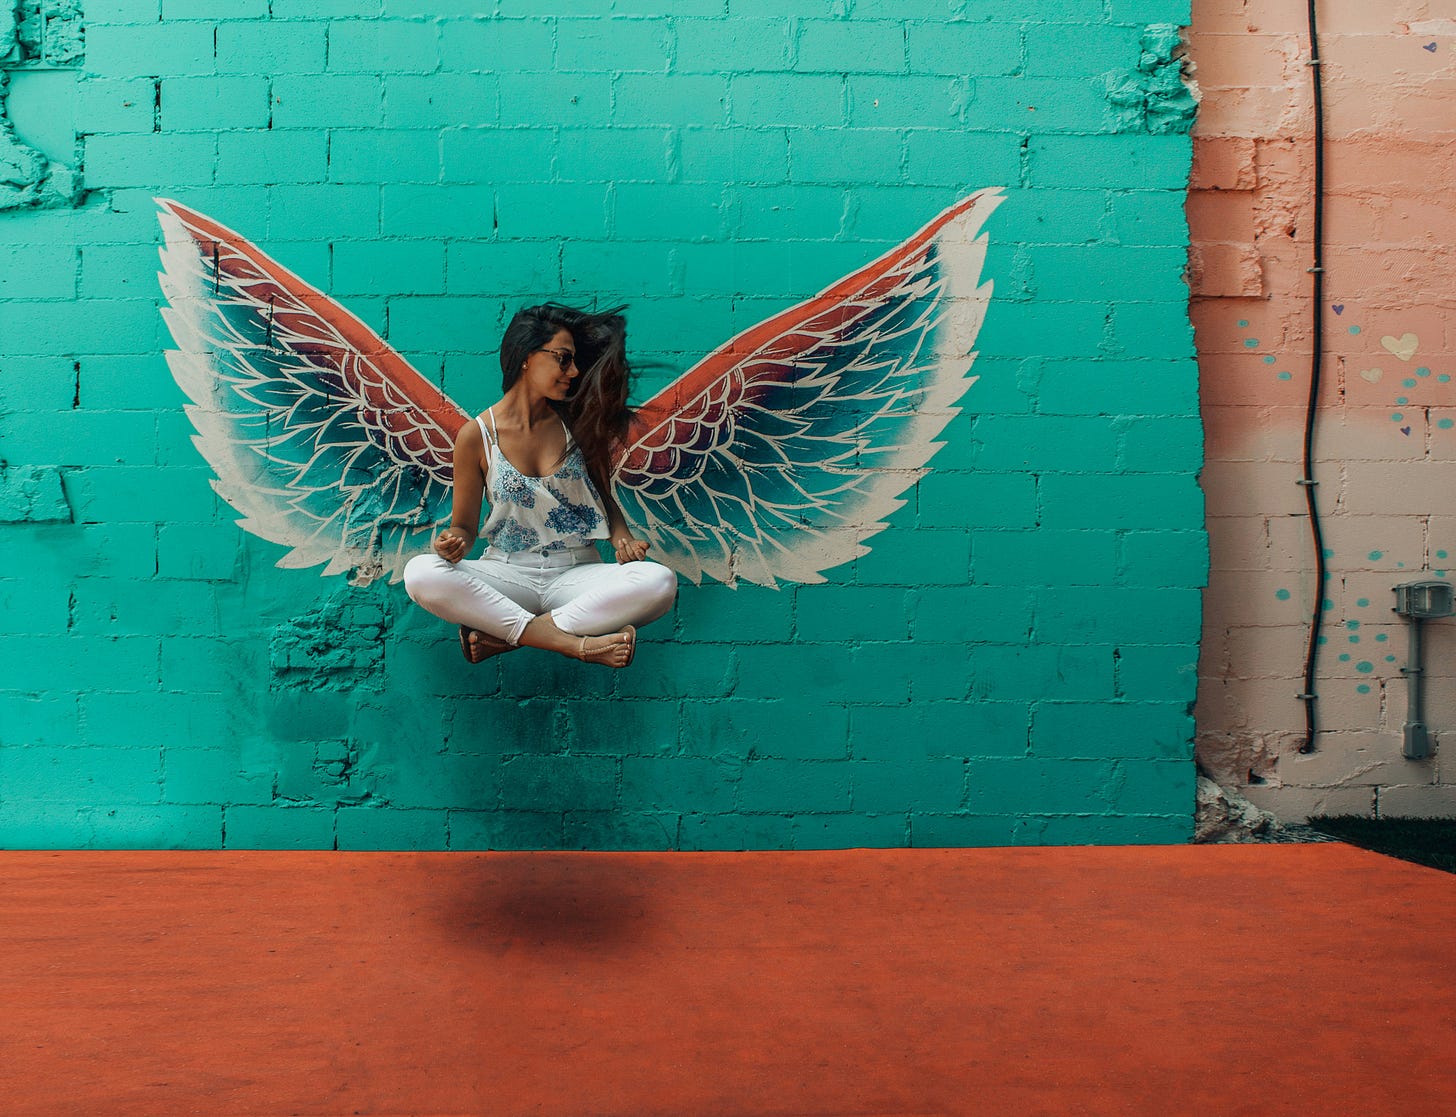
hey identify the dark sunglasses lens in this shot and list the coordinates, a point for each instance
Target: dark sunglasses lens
(565, 359)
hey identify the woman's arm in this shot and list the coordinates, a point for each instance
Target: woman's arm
(454, 543)
(628, 547)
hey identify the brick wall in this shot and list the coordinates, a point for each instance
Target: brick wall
(1012, 661)
(1386, 435)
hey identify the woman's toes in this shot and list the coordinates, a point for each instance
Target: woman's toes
(480, 646)
(614, 650)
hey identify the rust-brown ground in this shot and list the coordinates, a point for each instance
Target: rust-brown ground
(1149, 980)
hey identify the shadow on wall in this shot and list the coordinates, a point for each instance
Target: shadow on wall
(370, 706)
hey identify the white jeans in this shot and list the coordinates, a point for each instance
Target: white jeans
(500, 592)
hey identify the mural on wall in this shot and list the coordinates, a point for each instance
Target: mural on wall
(772, 459)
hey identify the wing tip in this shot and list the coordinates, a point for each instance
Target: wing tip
(971, 210)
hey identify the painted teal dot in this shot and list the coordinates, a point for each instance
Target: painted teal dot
(1444, 378)
(1402, 400)
(1324, 640)
(1400, 566)
(1440, 554)
(1243, 322)
(1364, 667)
(1446, 424)
(1286, 376)
(1329, 552)
(1396, 416)
(1282, 595)
(1251, 343)
(1423, 372)
(1390, 659)
(1376, 556)
(1354, 329)
(1408, 383)
(1269, 360)
(1381, 637)
(1363, 602)
(1363, 688)
(1329, 604)
(1344, 657)
(1354, 639)
(1352, 625)
(1440, 573)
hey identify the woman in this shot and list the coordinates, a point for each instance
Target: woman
(542, 457)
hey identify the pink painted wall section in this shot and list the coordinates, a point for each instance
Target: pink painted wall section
(1386, 439)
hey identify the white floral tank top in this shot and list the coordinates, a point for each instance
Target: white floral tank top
(552, 513)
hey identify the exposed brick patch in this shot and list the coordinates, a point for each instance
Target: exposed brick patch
(36, 34)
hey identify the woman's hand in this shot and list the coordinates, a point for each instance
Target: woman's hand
(629, 549)
(452, 544)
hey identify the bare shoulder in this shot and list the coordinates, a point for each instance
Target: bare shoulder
(469, 437)
(470, 448)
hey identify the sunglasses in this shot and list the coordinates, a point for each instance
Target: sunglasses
(564, 357)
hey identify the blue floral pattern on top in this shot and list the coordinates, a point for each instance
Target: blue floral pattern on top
(572, 519)
(541, 514)
(574, 469)
(516, 488)
(512, 535)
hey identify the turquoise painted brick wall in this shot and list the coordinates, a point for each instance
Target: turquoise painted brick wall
(1013, 662)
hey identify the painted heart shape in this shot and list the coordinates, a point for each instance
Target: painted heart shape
(1370, 374)
(1338, 308)
(1403, 346)
(1430, 47)
(1405, 430)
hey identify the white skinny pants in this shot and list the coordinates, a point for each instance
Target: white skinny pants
(502, 592)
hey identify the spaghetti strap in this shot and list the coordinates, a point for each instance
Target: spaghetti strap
(490, 444)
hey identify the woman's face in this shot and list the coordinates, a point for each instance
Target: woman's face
(543, 370)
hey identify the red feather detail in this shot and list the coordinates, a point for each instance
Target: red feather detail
(414, 420)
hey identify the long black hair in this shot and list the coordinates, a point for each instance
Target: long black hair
(596, 410)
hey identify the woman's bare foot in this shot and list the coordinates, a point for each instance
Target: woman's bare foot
(479, 646)
(615, 649)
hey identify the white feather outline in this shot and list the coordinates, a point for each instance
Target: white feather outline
(216, 365)
(793, 542)
(953, 251)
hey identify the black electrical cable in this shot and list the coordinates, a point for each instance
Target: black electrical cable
(1317, 272)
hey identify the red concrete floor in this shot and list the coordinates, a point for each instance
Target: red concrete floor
(1152, 980)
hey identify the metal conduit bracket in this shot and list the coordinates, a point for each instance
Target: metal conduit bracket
(1419, 602)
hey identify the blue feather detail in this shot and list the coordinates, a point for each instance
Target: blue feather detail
(312, 441)
(781, 464)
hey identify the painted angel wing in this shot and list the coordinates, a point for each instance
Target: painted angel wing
(322, 437)
(775, 457)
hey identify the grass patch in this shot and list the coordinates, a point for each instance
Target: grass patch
(1426, 841)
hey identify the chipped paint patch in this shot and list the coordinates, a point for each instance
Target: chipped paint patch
(336, 645)
(33, 494)
(36, 35)
(1155, 98)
